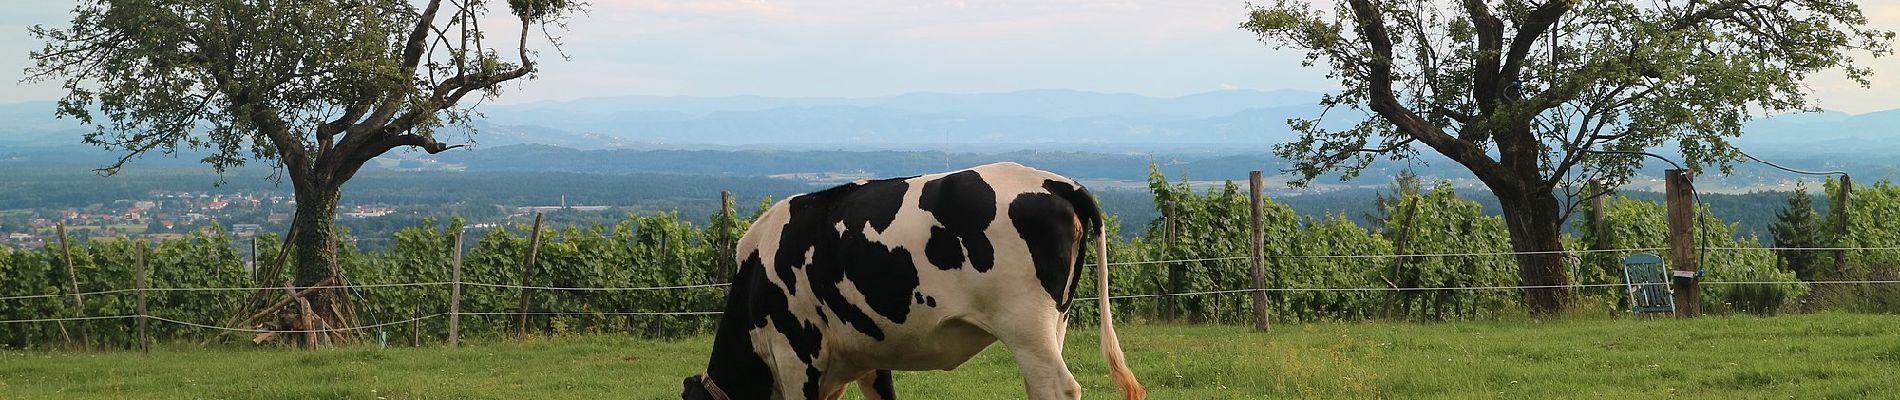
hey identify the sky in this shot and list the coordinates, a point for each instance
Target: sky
(855, 48)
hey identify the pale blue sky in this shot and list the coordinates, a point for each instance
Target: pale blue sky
(870, 48)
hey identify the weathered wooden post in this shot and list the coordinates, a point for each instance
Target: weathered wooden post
(1260, 322)
(145, 336)
(455, 293)
(72, 280)
(1679, 191)
(415, 327)
(1401, 247)
(1169, 304)
(1599, 223)
(725, 202)
(727, 240)
(527, 276)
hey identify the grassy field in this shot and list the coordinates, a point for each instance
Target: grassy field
(1798, 356)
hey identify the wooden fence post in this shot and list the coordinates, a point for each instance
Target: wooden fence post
(1400, 249)
(1169, 304)
(455, 293)
(415, 327)
(1260, 322)
(1600, 226)
(1842, 206)
(727, 250)
(1680, 191)
(72, 278)
(145, 336)
(527, 277)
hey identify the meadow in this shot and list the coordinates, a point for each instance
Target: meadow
(1827, 355)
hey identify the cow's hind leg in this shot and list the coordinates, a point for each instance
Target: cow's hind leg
(877, 386)
(1038, 351)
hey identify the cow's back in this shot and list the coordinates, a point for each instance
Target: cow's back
(909, 273)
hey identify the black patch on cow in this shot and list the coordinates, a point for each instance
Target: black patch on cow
(694, 389)
(875, 203)
(1090, 214)
(930, 301)
(811, 381)
(883, 386)
(964, 205)
(1046, 222)
(805, 339)
(919, 296)
(734, 366)
(884, 275)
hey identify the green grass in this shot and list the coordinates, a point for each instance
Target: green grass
(1800, 356)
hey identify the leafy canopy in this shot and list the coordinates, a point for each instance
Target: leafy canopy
(277, 80)
(1523, 92)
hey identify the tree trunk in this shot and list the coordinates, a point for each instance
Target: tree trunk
(1532, 220)
(314, 238)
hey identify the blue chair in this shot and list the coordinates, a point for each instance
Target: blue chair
(1647, 283)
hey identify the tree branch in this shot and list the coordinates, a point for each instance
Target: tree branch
(1484, 78)
(1371, 25)
(1534, 27)
(1343, 154)
(412, 51)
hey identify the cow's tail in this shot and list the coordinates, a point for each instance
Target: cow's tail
(1112, 345)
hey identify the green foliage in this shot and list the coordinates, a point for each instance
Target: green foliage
(1796, 227)
(107, 264)
(641, 251)
(1207, 226)
(1870, 224)
(1635, 224)
(1447, 224)
(1211, 225)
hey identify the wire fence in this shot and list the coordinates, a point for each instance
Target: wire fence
(718, 285)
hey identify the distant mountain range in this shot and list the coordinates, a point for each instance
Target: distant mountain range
(1043, 119)
(1220, 122)
(1002, 121)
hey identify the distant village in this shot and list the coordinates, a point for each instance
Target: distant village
(161, 215)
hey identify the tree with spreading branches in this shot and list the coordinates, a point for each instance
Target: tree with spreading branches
(1537, 97)
(316, 88)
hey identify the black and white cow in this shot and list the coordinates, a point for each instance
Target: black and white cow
(920, 273)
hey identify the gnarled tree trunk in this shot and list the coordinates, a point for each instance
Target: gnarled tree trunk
(314, 242)
(1536, 234)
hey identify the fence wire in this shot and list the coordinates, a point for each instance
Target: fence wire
(345, 329)
(593, 289)
(1115, 297)
(1122, 263)
(1079, 299)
